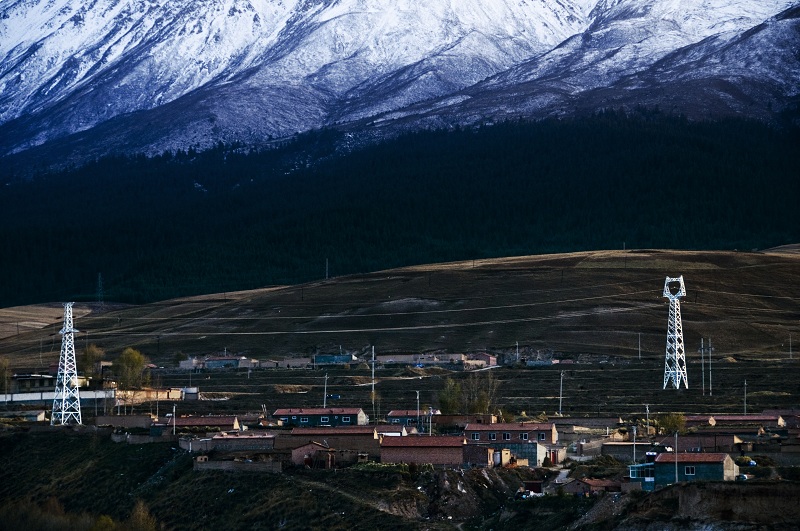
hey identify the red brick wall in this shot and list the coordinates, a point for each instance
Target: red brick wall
(434, 456)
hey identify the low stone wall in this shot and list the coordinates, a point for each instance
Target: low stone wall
(239, 466)
(141, 439)
(591, 448)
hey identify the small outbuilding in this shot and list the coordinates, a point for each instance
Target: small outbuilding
(423, 449)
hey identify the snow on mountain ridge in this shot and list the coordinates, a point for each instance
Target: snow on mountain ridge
(199, 72)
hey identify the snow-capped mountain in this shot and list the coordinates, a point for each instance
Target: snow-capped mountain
(150, 75)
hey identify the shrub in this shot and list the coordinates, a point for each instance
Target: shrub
(763, 460)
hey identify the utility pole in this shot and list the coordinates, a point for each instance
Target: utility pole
(710, 386)
(745, 397)
(640, 346)
(703, 365)
(634, 444)
(373, 386)
(418, 409)
(325, 393)
(100, 296)
(676, 457)
(647, 409)
(174, 422)
(560, 392)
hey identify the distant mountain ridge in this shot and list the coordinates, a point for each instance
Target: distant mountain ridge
(151, 75)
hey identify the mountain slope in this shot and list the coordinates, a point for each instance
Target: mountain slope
(143, 75)
(71, 66)
(631, 58)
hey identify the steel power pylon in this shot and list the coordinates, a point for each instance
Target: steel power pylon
(675, 361)
(67, 401)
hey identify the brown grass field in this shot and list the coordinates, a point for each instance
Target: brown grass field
(590, 308)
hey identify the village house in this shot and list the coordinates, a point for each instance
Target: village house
(576, 428)
(423, 449)
(694, 467)
(459, 422)
(791, 417)
(27, 383)
(211, 423)
(314, 455)
(37, 415)
(746, 421)
(489, 360)
(687, 466)
(334, 359)
(543, 433)
(246, 441)
(306, 417)
(481, 456)
(358, 439)
(708, 443)
(388, 430)
(533, 442)
(125, 421)
(420, 359)
(289, 363)
(791, 444)
(190, 364)
(471, 364)
(699, 421)
(408, 417)
(727, 443)
(625, 451)
(221, 362)
(589, 486)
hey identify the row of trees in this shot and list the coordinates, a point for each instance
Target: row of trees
(51, 515)
(129, 368)
(477, 394)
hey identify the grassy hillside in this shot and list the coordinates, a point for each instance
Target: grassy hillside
(79, 479)
(588, 308)
(84, 473)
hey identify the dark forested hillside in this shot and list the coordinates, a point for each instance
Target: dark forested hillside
(230, 219)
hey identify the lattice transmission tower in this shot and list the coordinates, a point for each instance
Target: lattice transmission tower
(67, 401)
(675, 361)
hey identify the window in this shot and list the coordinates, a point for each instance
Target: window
(395, 421)
(523, 436)
(285, 419)
(642, 472)
(689, 471)
(294, 417)
(345, 419)
(492, 436)
(542, 436)
(303, 419)
(476, 436)
(506, 436)
(323, 419)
